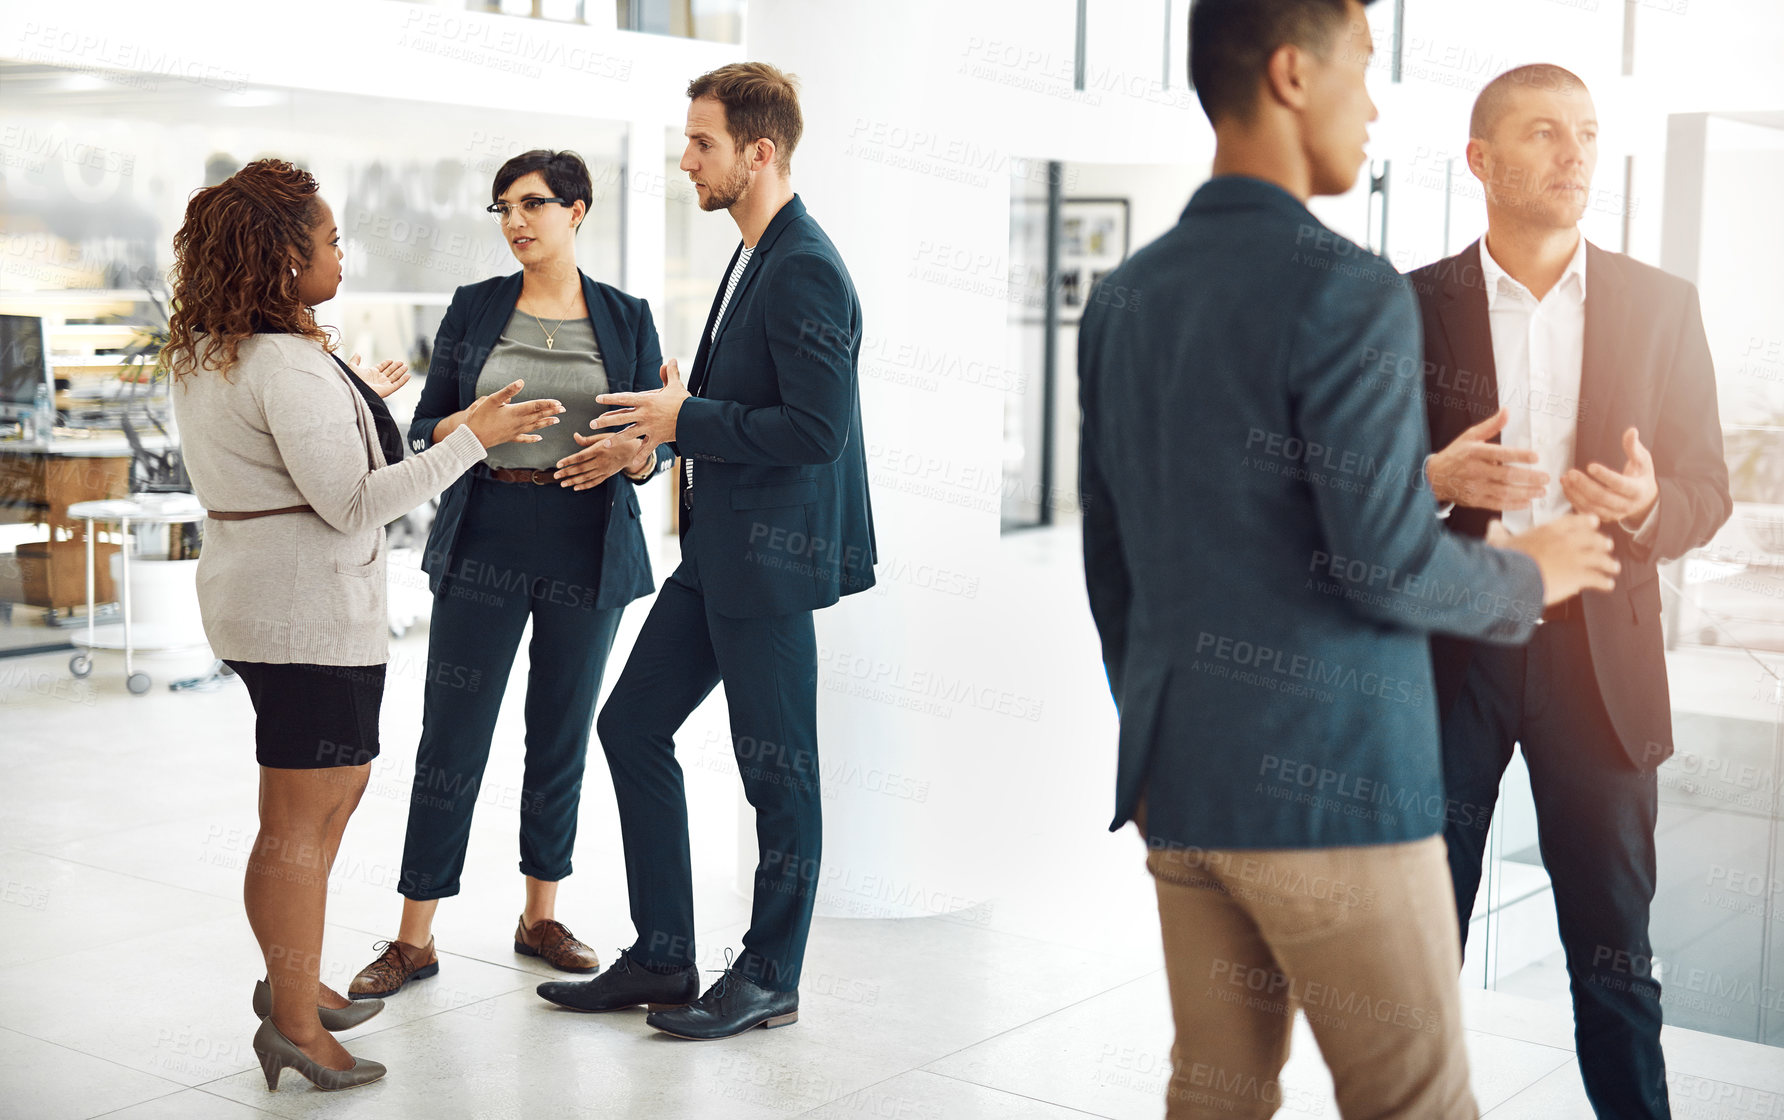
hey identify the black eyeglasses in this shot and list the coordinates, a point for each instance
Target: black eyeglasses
(530, 205)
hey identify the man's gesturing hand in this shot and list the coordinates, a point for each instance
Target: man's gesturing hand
(1628, 497)
(1472, 471)
(651, 415)
(602, 457)
(1571, 553)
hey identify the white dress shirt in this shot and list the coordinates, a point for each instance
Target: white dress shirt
(1538, 348)
(743, 262)
(1538, 352)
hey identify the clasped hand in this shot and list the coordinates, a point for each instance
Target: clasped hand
(641, 422)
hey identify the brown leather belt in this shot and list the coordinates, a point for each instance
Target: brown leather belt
(536, 477)
(1564, 611)
(249, 515)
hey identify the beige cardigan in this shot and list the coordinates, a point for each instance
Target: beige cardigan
(286, 428)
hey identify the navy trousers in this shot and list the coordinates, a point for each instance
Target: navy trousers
(1595, 814)
(524, 553)
(770, 669)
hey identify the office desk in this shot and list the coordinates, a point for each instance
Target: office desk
(37, 485)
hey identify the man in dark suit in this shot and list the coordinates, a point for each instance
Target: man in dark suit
(1546, 360)
(1264, 580)
(776, 524)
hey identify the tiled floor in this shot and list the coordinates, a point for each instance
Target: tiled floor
(125, 962)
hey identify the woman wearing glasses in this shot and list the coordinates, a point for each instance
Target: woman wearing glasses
(548, 533)
(297, 459)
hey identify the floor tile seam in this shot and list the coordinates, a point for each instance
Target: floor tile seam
(232, 1100)
(1035, 938)
(398, 1024)
(124, 874)
(184, 1089)
(1010, 1093)
(1567, 1050)
(1507, 1102)
(386, 1028)
(925, 1067)
(178, 1086)
(1550, 1073)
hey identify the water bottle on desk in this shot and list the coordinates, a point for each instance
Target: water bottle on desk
(43, 415)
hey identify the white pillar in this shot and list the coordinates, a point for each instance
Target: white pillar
(908, 686)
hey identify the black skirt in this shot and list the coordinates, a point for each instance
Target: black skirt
(308, 717)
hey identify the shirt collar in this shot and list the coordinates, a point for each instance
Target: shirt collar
(1500, 283)
(1243, 192)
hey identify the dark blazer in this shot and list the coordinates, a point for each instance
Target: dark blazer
(633, 357)
(1646, 365)
(1263, 564)
(781, 516)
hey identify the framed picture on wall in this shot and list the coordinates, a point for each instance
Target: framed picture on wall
(1092, 241)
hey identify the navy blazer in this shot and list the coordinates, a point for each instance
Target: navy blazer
(781, 518)
(1646, 365)
(1263, 560)
(633, 357)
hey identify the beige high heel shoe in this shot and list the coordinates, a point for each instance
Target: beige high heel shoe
(334, 1019)
(276, 1053)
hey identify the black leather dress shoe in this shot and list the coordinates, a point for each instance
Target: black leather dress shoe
(626, 983)
(732, 1005)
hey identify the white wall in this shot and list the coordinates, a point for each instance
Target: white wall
(918, 116)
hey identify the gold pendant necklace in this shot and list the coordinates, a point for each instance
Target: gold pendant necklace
(549, 334)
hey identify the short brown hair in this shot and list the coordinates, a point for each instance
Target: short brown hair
(761, 101)
(564, 173)
(1495, 97)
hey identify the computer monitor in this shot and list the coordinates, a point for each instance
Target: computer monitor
(24, 364)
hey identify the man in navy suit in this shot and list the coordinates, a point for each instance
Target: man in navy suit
(1560, 376)
(1264, 565)
(776, 524)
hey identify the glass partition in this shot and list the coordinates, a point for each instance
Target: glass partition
(1718, 916)
(106, 166)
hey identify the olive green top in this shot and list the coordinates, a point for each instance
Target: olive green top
(569, 371)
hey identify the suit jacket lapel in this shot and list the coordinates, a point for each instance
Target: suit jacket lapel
(1470, 334)
(1607, 317)
(485, 330)
(697, 378)
(607, 340)
(784, 217)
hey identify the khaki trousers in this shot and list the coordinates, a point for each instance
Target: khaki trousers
(1362, 940)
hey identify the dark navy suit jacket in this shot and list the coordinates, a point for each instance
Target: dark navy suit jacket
(1264, 562)
(781, 518)
(1646, 365)
(633, 358)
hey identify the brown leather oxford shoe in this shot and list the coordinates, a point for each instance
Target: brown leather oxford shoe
(552, 943)
(397, 964)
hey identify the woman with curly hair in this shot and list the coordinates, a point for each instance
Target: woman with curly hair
(296, 458)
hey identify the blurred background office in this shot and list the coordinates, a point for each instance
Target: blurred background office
(980, 165)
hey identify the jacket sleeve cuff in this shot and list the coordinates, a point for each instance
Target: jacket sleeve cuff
(1649, 528)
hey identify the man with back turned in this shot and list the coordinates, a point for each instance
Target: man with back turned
(1264, 567)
